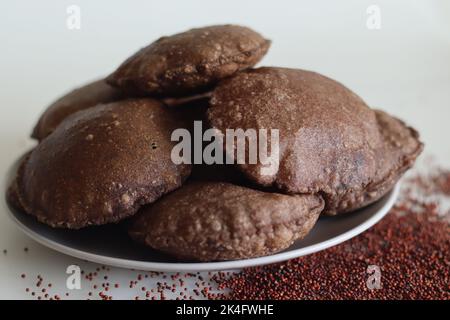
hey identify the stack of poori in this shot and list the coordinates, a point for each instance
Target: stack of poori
(104, 151)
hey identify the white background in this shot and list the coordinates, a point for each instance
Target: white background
(404, 68)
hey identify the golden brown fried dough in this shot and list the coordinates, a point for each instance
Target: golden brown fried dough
(101, 165)
(331, 142)
(210, 221)
(190, 62)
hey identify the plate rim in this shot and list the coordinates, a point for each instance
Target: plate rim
(390, 198)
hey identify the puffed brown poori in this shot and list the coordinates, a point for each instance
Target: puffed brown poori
(190, 62)
(101, 165)
(87, 96)
(208, 221)
(105, 156)
(331, 143)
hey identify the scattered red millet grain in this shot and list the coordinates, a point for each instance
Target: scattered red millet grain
(434, 182)
(410, 246)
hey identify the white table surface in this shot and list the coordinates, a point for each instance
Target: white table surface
(404, 68)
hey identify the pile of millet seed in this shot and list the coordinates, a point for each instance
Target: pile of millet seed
(410, 248)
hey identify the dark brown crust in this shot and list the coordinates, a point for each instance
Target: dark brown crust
(188, 100)
(101, 165)
(330, 140)
(210, 221)
(219, 173)
(190, 62)
(12, 196)
(87, 96)
(400, 149)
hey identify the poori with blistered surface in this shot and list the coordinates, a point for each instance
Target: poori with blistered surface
(104, 156)
(101, 165)
(82, 98)
(210, 221)
(331, 143)
(190, 62)
(397, 153)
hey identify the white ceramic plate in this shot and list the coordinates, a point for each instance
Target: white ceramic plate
(110, 245)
